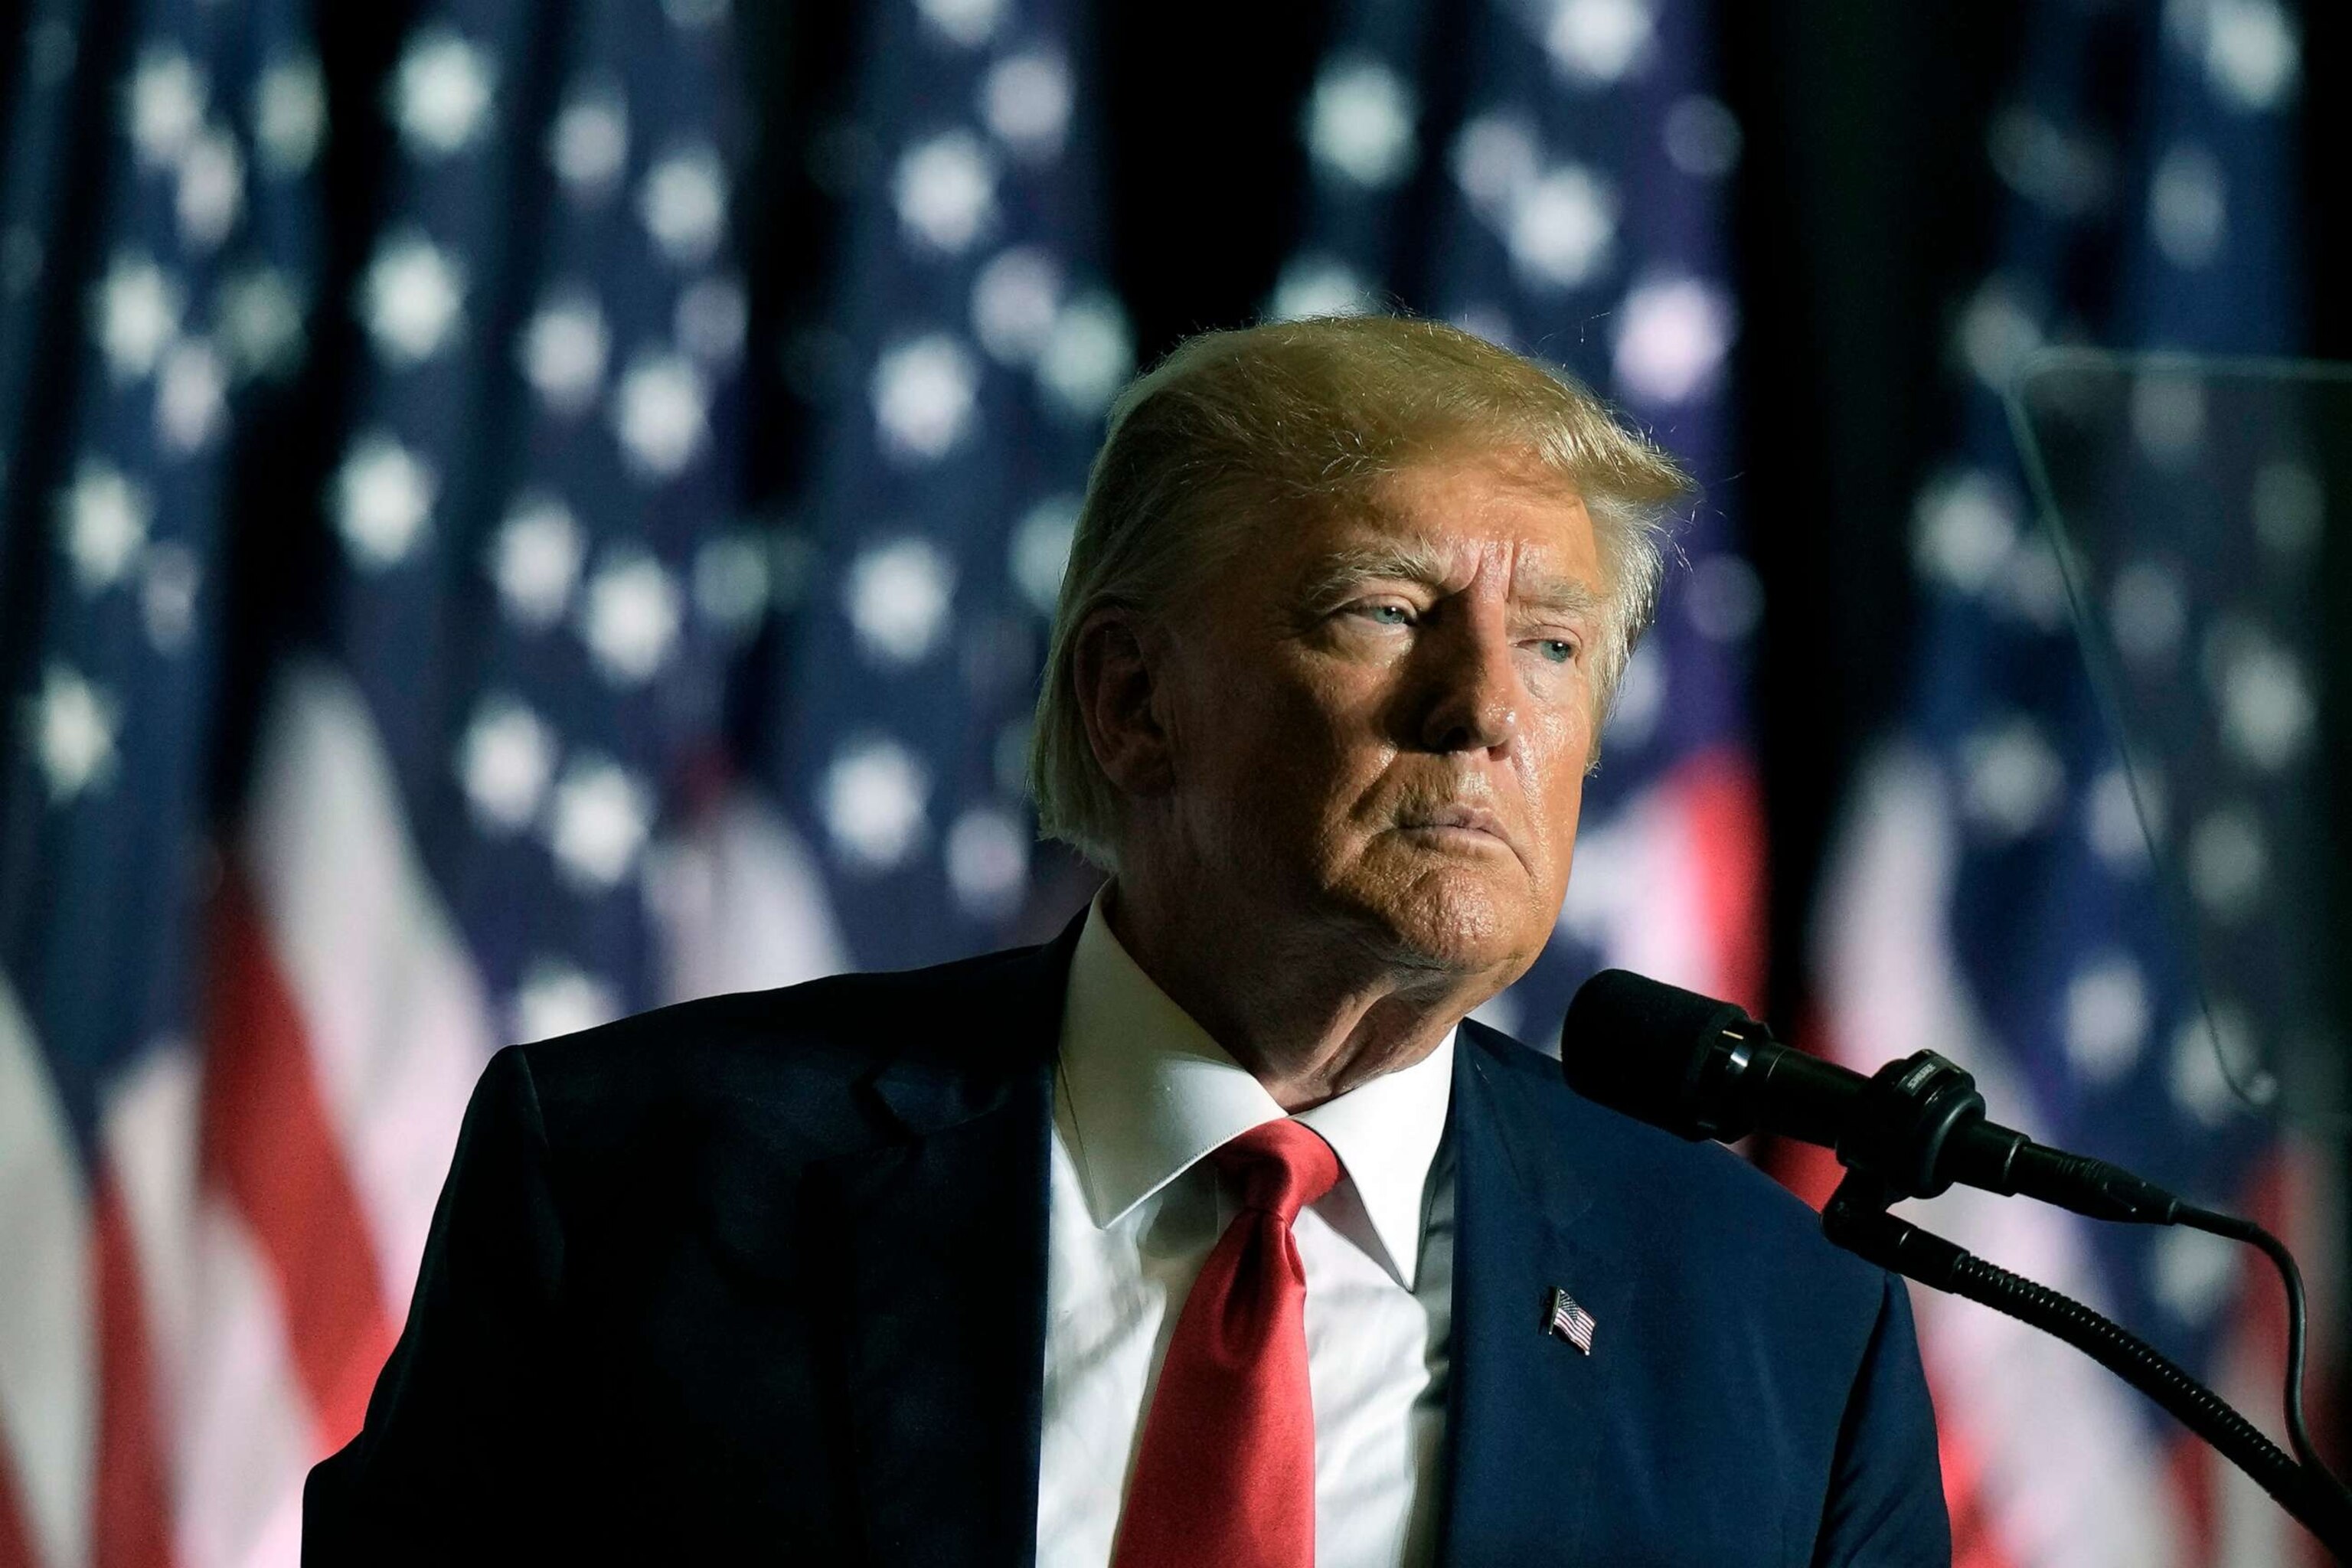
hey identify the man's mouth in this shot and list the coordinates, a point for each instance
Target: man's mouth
(1461, 824)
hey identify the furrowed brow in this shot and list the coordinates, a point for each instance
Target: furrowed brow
(1559, 595)
(1346, 569)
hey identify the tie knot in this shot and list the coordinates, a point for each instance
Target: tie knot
(1282, 1166)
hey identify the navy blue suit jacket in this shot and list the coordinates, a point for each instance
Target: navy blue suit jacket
(768, 1271)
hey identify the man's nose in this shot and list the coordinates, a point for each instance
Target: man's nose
(1472, 699)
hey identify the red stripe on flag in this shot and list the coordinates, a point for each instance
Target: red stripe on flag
(267, 1139)
(129, 1512)
(16, 1539)
(2189, 1466)
(1976, 1535)
(1721, 802)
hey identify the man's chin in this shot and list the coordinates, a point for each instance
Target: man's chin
(1456, 921)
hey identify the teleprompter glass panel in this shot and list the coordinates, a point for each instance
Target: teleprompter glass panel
(2197, 511)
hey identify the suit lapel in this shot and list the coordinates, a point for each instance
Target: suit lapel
(943, 1290)
(1524, 1423)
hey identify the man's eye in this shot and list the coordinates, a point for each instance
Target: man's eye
(1389, 615)
(1559, 650)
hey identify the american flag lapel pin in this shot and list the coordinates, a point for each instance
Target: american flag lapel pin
(1570, 1320)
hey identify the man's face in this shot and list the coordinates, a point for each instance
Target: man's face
(1381, 721)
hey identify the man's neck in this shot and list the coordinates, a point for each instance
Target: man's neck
(1309, 1020)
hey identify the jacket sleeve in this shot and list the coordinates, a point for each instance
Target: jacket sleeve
(457, 1444)
(1886, 1502)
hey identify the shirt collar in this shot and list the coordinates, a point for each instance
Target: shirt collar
(1150, 1094)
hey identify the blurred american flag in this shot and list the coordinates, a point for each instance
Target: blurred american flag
(1994, 897)
(162, 252)
(492, 791)
(233, 1075)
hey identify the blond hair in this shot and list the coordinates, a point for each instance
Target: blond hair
(1234, 429)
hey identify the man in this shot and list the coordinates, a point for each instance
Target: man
(1214, 1232)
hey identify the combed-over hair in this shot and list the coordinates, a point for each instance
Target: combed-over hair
(1234, 431)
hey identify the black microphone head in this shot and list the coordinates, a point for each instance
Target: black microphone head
(1636, 1045)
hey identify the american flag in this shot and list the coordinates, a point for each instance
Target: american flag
(1571, 1321)
(1552, 174)
(1996, 898)
(159, 259)
(961, 383)
(231, 1067)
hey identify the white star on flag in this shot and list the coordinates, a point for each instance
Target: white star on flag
(564, 350)
(1088, 357)
(505, 762)
(660, 411)
(588, 146)
(945, 189)
(1359, 122)
(211, 191)
(103, 516)
(167, 97)
(629, 619)
(924, 394)
(441, 92)
(382, 497)
(74, 727)
(1600, 40)
(1025, 102)
(1672, 334)
(138, 312)
(684, 203)
(535, 559)
(290, 114)
(873, 799)
(970, 22)
(410, 299)
(897, 596)
(1562, 227)
(191, 396)
(560, 999)
(597, 822)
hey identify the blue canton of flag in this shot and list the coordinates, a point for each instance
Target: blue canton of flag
(540, 476)
(1574, 208)
(981, 352)
(1997, 900)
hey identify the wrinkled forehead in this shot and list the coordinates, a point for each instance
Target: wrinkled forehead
(1451, 520)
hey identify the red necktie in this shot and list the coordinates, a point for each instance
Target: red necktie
(1226, 1473)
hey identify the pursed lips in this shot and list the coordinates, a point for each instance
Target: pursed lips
(1447, 820)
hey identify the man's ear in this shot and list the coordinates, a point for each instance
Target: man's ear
(1116, 667)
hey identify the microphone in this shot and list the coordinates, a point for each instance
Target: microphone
(1703, 1069)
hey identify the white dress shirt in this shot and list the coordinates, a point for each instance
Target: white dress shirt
(1142, 1094)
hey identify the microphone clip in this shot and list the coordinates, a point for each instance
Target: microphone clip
(1908, 1117)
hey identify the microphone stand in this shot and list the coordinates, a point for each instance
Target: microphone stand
(1855, 1218)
